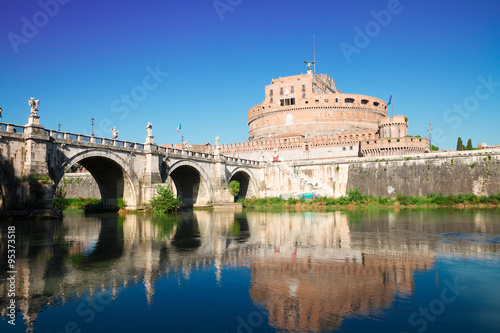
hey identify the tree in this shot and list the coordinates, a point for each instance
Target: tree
(435, 148)
(234, 187)
(469, 145)
(164, 201)
(460, 144)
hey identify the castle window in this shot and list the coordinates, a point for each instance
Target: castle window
(343, 148)
(350, 147)
(364, 101)
(349, 100)
(287, 101)
(281, 91)
(336, 100)
(307, 102)
(292, 90)
(317, 101)
(376, 103)
(303, 87)
(303, 95)
(271, 100)
(326, 100)
(270, 92)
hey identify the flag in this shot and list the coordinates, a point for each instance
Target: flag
(390, 100)
(178, 128)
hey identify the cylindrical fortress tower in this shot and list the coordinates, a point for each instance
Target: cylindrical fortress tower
(309, 105)
(395, 127)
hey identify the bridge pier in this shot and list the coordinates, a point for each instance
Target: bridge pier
(36, 183)
(221, 188)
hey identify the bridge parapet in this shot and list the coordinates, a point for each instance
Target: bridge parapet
(73, 138)
(183, 153)
(11, 128)
(237, 160)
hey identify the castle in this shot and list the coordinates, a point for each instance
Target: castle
(307, 117)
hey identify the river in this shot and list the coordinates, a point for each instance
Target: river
(200, 271)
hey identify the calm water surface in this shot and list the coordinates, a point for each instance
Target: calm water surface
(365, 271)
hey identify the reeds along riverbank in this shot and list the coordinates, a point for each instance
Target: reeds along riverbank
(355, 199)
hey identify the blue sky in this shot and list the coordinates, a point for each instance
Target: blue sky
(204, 63)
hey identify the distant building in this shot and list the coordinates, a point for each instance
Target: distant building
(485, 146)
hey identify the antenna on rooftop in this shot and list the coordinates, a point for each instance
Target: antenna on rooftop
(314, 54)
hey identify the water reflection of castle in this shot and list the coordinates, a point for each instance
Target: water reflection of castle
(309, 270)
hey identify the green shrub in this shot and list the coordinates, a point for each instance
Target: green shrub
(121, 203)
(164, 201)
(234, 187)
(355, 195)
(60, 201)
(343, 201)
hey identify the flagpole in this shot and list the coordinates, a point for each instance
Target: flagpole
(314, 55)
(392, 107)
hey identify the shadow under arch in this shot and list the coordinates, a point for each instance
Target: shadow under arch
(111, 173)
(191, 183)
(248, 186)
(9, 187)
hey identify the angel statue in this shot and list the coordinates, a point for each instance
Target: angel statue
(217, 141)
(115, 133)
(309, 64)
(149, 128)
(34, 105)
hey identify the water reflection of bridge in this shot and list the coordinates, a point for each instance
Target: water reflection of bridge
(289, 255)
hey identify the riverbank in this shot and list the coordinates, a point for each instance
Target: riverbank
(356, 200)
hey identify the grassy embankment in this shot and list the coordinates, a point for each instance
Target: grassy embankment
(355, 199)
(75, 203)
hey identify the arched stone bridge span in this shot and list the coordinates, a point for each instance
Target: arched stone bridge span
(33, 160)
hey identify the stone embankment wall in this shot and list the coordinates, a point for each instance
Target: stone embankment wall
(80, 185)
(451, 173)
(475, 172)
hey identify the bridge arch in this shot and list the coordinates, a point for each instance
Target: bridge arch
(191, 183)
(248, 184)
(112, 174)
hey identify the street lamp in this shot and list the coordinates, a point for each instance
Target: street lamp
(92, 126)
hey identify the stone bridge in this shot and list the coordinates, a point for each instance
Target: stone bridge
(33, 160)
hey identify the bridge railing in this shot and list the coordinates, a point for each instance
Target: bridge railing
(93, 139)
(186, 153)
(11, 128)
(234, 159)
(209, 156)
(126, 144)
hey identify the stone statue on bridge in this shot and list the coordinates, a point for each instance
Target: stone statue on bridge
(34, 105)
(217, 141)
(149, 128)
(115, 133)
